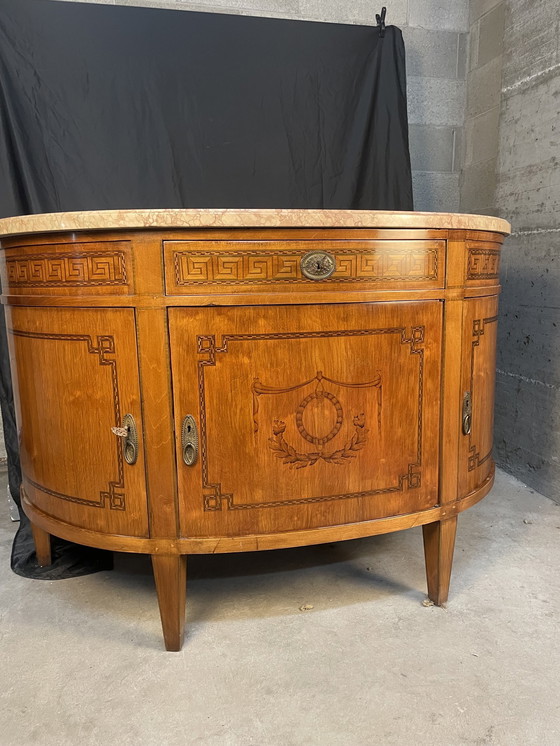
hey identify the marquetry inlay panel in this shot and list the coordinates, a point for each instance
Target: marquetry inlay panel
(214, 499)
(482, 263)
(92, 268)
(250, 264)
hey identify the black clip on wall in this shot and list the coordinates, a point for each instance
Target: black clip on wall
(381, 21)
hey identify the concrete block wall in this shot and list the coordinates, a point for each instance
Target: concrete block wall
(528, 194)
(484, 83)
(435, 34)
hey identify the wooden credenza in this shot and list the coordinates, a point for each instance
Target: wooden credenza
(200, 381)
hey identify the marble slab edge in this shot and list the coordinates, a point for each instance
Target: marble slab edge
(232, 218)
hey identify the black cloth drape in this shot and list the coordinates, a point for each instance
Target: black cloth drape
(105, 107)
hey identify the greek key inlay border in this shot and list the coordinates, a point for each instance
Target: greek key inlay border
(483, 264)
(254, 266)
(70, 270)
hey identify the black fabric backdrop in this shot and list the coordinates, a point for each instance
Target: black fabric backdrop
(117, 107)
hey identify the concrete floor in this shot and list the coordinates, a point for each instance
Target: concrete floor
(81, 661)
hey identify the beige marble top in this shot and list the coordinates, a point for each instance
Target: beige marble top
(213, 218)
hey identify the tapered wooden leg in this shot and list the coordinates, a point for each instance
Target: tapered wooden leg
(42, 541)
(439, 542)
(170, 573)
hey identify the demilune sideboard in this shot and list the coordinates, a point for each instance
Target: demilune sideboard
(200, 381)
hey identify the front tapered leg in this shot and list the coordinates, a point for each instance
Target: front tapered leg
(170, 573)
(439, 542)
(42, 541)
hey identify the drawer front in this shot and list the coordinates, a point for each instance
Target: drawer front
(307, 416)
(483, 263)
(80, 268)
(202, 267)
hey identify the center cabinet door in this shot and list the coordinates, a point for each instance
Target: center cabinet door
(307, 416)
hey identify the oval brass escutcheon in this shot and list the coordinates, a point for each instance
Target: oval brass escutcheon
(467, 413)
(189, 440)
(130, 440)
(318, 265)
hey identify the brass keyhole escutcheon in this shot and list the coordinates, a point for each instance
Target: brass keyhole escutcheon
(467, 413)
(318, 265)
(189, 440)
(129, 434)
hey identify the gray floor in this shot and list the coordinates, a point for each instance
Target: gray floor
(82, 663)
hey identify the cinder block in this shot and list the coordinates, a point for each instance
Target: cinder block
(479, 7)
(484, 87)
(462, 53)
(436, 101)
(439, 14)
(459, 149)
(478, 186)
(473, 45)
(482, 137)
(491, 38)
(431, 148)
(435, 192)
(426, 59)
(357, 11)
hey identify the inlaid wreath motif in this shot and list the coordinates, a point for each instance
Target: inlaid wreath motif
(296, 460)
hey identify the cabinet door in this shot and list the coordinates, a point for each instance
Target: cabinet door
(478, 380)
(308, 416)
(77, 375)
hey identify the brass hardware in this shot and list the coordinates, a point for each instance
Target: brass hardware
(318, 265)
(189, 440)
(129, 434)
(467, 413)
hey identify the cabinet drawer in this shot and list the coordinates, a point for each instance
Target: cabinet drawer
(201, 267)
(84, 268)
(482, 263)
